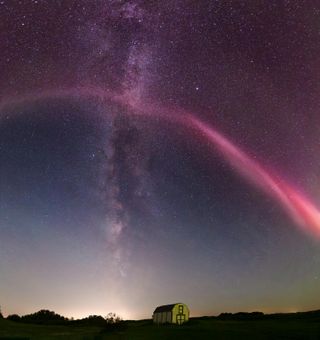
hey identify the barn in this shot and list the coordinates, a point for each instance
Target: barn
(175, 313)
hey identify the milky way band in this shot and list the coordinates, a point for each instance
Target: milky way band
(300, 209)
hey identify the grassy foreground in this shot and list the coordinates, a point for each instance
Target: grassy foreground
(195, 329)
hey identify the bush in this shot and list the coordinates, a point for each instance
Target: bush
(113, 318)
(44, 317)
(114, 323)
(14, 317)
(91, 320)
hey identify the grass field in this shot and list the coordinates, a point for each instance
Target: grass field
(195, 329)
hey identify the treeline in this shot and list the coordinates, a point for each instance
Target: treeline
(47, 317)
(312, 316)
(42, 317)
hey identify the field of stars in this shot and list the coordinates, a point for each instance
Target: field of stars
(154, 152)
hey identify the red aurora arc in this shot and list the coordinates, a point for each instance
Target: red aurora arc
(299, 208)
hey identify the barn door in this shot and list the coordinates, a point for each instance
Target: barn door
(180, 319)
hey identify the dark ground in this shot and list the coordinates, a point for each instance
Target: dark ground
(201, 328)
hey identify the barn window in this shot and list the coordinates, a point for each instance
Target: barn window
(180, 309)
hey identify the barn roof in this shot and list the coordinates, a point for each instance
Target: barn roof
(165, 308)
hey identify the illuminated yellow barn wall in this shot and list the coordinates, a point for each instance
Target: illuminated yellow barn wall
(175, 313)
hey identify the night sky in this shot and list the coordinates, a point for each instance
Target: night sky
(154, 152)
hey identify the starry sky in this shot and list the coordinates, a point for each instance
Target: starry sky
(153, 152)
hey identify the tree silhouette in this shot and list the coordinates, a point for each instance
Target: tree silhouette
(113, 318)
(14, 317)
(44, 317)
